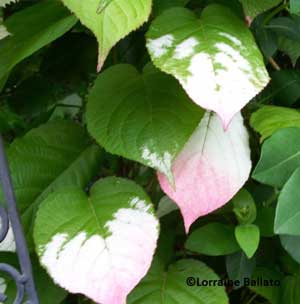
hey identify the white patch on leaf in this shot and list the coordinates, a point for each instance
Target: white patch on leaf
(159, 46)
(229, 81)
(3, 32)
(105, 269)
(139, 204)
(233, 39)
(185, 48)
(161, 163)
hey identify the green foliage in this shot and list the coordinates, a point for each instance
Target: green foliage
(93, 148)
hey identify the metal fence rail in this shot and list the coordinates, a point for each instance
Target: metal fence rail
(10, 216)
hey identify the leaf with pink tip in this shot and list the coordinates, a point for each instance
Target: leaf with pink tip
(100, 246)
(210, 169)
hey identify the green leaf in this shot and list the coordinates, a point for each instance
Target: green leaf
(271, 293)
(110, 21)
(53, 156)
(208, 59)
(280, 158)
(253, 8)
(269, 119)
(287, 219)
(106, 241)
(248, 237)
(165, 207)
(289, 47)
(291, 244)
(239, 267)
(213, 239)
(144, 117)
(31, 29)
(295, 7)
(172, 286)
(286, 26)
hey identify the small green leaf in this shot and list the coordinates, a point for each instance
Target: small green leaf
(213, 239)
(287, 219)
(31, 29)
(208, 59)
(106, 241)
(144, 117)
(280, 157)
(253, 8)
(110, 20)
(248, 237)
(244, 207)
(270, 119)
(178, 282)
(291, 244)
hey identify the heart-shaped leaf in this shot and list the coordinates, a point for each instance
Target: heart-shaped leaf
(287, 219)
(181, 282)
(110, 21)
(280, 157)
(211, 168)
(144, 117)
(101, 245)
(248, 237)
(209, 56)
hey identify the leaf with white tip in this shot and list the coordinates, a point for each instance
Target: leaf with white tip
(3, 3)
(211, 168)
(110, 21)
(209, 60)
(8, 244)
(144, 117)
(100, 246)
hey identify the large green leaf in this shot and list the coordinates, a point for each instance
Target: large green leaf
(287, 219)
(209, 59)
(280, 157)
(31, 29)
(253, 8)
(144, 117)
(270, 119)
(101, 245)
(48, 158)
(178, 285)
(213, 239)
(110, 21)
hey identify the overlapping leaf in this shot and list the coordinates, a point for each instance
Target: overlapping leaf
(101, 245)
(110, 21)
(144, 117)
(211, 168)
(209, 60)
(253, 8)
